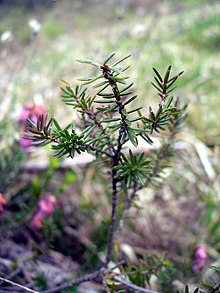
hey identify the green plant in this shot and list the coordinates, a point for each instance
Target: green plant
(10, 163)
(41, 281)
(108, 124)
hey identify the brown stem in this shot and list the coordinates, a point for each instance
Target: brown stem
(113, 214)
(89, 277)
(98, 151)
(115, 162)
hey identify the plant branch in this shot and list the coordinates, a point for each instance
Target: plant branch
(115, 161)
(97, 150)
(162, 154)
(99, 125)
(215, 289)
(113, 214)
(11, 275)
(132, 286)
(89, 277)
(125, 213)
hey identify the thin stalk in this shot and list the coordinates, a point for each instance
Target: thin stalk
(125, 213)
(113, 217)
(115, 162)
(18, 285)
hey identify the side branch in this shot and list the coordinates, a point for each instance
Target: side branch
(89, 277)
(215, 289)
(132, 286)
(92, 116)
(162, 154)
(113, 217)
(125, 213)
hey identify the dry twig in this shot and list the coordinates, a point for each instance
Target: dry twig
(18, 285)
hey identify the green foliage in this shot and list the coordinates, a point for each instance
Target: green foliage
(10, 163)
(162, 117)
(166, 276)
(66, 143)
(133, 169)
(41, 281)
(215, 268)
(149, 266)
(107, 122)
(165, 85)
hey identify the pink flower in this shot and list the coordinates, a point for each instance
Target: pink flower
(200, 259)
(25, 143)
(2, 203)
(46, 207)
(200, 253)
(48, 204)
(30, 111)
(38, 218)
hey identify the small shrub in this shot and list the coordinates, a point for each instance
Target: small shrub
(110, 129)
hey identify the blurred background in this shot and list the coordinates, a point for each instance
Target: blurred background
(39, 44)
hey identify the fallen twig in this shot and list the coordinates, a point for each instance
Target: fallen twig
(11, 275)
(18, 285)
(132, 286)
(215, 289)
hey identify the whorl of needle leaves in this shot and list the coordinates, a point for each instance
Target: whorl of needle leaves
(109, 119)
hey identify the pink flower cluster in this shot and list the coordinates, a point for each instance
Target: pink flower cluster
(47, 206)
(31, 111)
(200, 259)
(2, 202)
